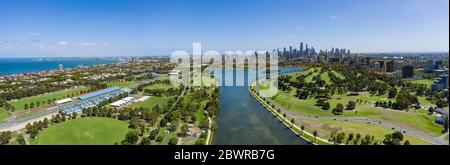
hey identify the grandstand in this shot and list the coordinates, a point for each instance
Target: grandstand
(78, 107)
(98, 93)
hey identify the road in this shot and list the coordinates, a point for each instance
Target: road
(434, 140)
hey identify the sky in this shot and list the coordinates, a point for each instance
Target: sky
(86, 28)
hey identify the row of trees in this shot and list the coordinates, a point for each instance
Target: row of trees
(395, 138)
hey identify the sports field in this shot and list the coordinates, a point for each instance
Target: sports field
(121, 84)
(151, 102)
(20, 103)
(85, 131)
(160, 86)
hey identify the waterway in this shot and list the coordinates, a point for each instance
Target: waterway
(242, 120)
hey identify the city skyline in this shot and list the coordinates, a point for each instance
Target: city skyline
(139, 28)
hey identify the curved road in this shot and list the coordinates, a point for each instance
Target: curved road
(434, 140)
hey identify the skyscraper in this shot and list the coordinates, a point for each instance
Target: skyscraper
(301, 48)
(407, 71)
(390, 66)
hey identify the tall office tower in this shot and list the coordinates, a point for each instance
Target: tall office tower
(290, 52)
(407, 71)
(376, 67)
(301, 48)
(306, 50)
(390, 66)
(284, 52)
(348, 52)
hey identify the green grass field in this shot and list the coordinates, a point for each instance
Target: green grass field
(446, 138)
(327, 127)
(427, 82)
(151, 102)
(160, 86)
(20, 103)
(420, 122)
(3, 114)
(121, 84)
(85, 131)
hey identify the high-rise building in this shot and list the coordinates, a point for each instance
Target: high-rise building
(407, 71)
(376, 66)
(440, 83)
(301, 48)
(60, 67)
(390, 66)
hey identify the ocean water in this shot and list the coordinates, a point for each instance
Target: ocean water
(23, 65)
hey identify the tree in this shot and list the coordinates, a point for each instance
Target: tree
(5, 137)
(302, 128)
(153, 134)
(74, 115)
(393, 139)
(406, 142)
(200, 141)
(315, 135)
(159, 139)
(292, 122)
(184, 130)
(339, 109)
(25, 106)
(145, 141)
(350, 137)
(326, 106)
(446, 124)
(173, 141)
(392, 93)
(340, 138)
(21, 140)
(132, 137)
(430, 110)
(351, 105)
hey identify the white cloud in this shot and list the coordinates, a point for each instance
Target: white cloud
(10, 44)
(62, 43)
(34, 34)
(86, 44)
(292, 36)
(333, 17)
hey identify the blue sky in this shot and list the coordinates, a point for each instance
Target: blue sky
(50, 28)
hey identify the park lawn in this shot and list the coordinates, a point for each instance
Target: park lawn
(426, 82)
(307, 107)
(420, 122)
(159, 86)
(325, 128)
(414, 121)
(200, 116)
(4, 114)
(121, 84)
(325, 77)
(20, 103)
(446, 137)
(339, 75)
(296, 74)
(151, 102)
(79, 131)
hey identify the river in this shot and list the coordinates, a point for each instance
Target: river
(242, 120)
